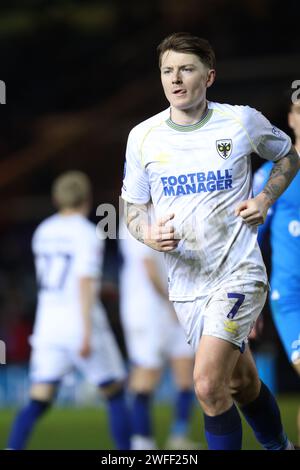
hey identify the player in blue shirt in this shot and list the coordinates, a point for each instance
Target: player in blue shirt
(283, 226)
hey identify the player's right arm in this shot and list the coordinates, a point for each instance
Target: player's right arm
(136, 192)
(159, 235)
(88, 295)
(88, 264)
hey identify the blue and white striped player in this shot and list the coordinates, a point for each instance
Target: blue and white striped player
(283, 225)
(154, 338)
(192, 162)
(71, 329)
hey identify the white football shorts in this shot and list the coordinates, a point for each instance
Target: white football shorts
(151, 347)
(50, 362)
(228, 313)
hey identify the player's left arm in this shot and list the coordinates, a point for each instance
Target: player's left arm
(88, 294)
(260, 178)
(254, 211)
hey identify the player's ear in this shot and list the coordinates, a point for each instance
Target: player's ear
(211, 75)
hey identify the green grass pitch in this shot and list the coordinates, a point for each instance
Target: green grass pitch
(86, 428)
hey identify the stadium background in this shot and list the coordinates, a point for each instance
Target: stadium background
(79, 75)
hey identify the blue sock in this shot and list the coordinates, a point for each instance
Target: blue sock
(24, 423)
(224, 431)
(119, 420)
(183, 405)
(263, 415)
(140, 416)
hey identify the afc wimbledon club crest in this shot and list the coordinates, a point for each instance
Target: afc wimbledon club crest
(224, 148)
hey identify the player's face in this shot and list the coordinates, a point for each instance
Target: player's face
(185, 79)
(294, 118)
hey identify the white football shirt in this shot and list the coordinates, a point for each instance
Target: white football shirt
(65, 249)
(201, 172)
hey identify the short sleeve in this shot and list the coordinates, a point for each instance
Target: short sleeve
(136, 188)
(267, 141)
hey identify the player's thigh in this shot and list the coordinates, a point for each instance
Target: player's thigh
(144, 380)
(229, 316)
(245, 382)
(286, 316)
(232, 311)
(215, 361)
(182, 368)
(229, 313)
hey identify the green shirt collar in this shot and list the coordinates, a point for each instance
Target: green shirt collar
(191, 127)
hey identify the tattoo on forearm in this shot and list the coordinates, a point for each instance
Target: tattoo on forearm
(136, 218)
(281, 175)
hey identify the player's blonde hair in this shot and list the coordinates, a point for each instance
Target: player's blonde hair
(71, 189)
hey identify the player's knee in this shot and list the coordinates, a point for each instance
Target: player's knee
(185, 383)
(143, 380)
(140, 389)
(184, 379)
(43, 392)
(238, 384)
(208, 389)
(109, 389)
(39, 407)
(245, 388)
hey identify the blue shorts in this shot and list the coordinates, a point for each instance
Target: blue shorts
(286, 317)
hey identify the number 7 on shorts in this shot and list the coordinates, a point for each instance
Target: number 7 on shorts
(240, 299)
